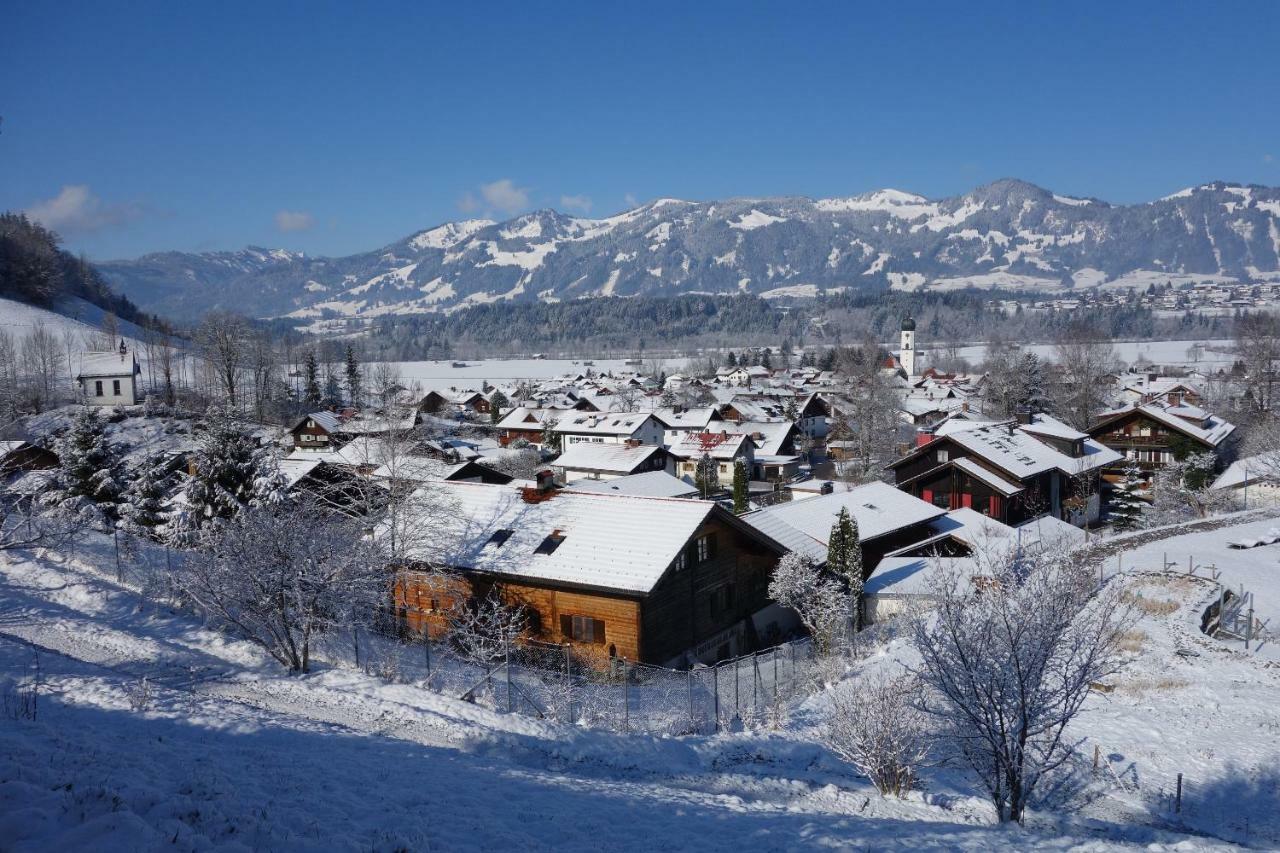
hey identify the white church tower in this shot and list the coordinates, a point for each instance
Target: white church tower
(907, 353)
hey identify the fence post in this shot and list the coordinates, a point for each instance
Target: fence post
(1177, 803)
(506, 652)
(626, 698)
(792, 649)
(737, 705)
(426, 649)
(689, 683)
(715, 672)
(1096, 753)
(755, 681)
(1248, 628)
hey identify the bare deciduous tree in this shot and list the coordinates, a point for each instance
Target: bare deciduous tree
(1007, 659)
(1084, 356)
(223, 340)
(483, 629)
(281, 575)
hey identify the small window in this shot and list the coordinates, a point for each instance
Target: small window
(943, 456)
(582, 629)
(499, 537)
(311, 424)
(681, 562)
(97, 388)
(307, 437)
(550, 544)
(115, 387)
(706, 547)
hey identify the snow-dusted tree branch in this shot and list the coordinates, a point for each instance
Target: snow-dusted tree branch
(484, 628)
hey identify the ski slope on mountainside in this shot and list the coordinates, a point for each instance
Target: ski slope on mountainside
(231, 753)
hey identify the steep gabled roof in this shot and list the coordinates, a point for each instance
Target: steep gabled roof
(106, 364)
(605, 458)
(607, 541)
(1213, 433)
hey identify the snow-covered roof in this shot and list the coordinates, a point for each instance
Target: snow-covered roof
(293, 470)
(418, 469)
(1014, 449)
(1213, 431)
(609, 541)
(721, 446)
(804, 526)
(106, 364)
(768, 437)
(685, 419)
(991, 478)
(603, 423)
(327, 421)
(650, 484)
(1263, 467)
(619, 458)
(913, 575)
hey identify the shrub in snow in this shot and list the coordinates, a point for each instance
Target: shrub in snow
(879, 728)
(820, 601)
(279, 575)
(1007, 658)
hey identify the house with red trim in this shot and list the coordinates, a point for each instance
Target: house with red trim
(1011, 470)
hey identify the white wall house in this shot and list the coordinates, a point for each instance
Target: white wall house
(608, 428)
(109, 378)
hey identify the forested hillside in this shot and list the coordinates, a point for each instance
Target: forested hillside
(34, 268)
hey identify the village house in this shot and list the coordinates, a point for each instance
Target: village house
(22, 456)
(588, 461)
(1154, 435)
(323, 431)
(1255, 480)
(724, 448)
(653, 580)
(678, 419)
(608, 428)
(109, 378)
(525, 423)
(1011, 470)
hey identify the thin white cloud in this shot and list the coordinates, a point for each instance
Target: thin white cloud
(467, 203)
(1267, 158)
(76, 210)
(294, 220)
(505, 196)
(630, 200)
(576, 202)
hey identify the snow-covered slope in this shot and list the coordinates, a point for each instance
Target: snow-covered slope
(230, 753)
(1008, 234)
(74, 317)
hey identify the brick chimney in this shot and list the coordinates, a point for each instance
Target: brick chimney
(923, 437)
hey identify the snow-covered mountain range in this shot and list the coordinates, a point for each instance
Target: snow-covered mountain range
(1008, 234)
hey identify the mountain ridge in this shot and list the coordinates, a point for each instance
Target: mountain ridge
(1005, 234)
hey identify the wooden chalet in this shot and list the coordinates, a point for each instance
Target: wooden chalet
(655, 580)
(1153, 435)
(1010, 470)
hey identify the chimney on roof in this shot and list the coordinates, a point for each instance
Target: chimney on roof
(1024, 414)
(1175, 398)
(1012, 426)
(633, 442)
(827, 488)
(924, 436)
(964, 407)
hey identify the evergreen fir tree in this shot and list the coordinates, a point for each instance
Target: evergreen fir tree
(844, 556)
(354, 390)
(740, 489)
(550, 438)
(87, 461)
(764, 359)
(668, 398)
(141, 509)
(1126, 507)
(497, 403)
(791, 412)
(731, 360)
(1031, 381)
(311, 378)
(707, 476)
(231, 471)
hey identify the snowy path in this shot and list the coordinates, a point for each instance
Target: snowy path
(231, 754)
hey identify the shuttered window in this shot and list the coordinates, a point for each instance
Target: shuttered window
(582, 629)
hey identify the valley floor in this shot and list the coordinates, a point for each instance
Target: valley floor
(231, 754)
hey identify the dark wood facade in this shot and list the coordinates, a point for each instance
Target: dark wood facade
(1145, 440)
(931, 476)
(704, 602)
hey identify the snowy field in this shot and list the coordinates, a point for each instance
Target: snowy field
(228, 753)
(76, 317)
(1212, 354)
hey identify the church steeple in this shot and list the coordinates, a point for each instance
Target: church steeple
(907, 350)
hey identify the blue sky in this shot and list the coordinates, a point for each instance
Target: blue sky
(335, 128)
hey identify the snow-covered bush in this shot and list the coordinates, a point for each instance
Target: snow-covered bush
(878, 727)
(141, 505)
(87, 464)
(281, 574)
(1007, 658)
(820, 601)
